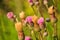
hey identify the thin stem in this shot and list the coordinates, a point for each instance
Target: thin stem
(46, 6)
(34, 10)
(33, 35)
(55, 30)
(40, 8)
(41, 36)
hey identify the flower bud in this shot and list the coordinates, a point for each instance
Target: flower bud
(22, 15)
(51, 10)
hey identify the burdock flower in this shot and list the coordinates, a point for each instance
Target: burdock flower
(10, 15)
(18, 26)
(27, 38)
(31, 2)
(45, 2)
(22, 15)
(34, 18)
(29, 19)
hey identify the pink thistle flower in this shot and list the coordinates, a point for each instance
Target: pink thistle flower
(29, 19)
(40, 20)
(27, 38)
(10, 15)
(31, 2)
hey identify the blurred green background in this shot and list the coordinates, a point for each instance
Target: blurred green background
(7, 29)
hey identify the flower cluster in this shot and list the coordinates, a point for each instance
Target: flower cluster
(39, 22)
(28, 19)
(32, 3)
(36, 2)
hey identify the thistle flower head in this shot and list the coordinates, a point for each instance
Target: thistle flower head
(22, 15)
(51, 10)
(31, 2)
(10, 15)
(27, 38)
(40, 20)
(18, 26)
(34, 18)
(29, 19)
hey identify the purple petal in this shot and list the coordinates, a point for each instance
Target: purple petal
(30, 1)
(40, 20)
(29, 19)
(10, 15)
(27, 38)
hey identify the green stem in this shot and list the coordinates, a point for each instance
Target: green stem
(34, 10)
(33, 35)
